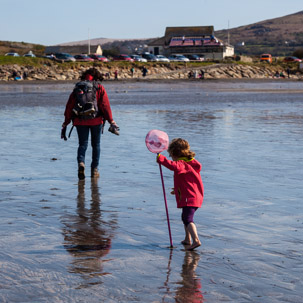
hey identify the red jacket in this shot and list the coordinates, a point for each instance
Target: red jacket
(103, 105)
(188, 186)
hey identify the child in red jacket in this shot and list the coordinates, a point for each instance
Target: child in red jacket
(188, 186)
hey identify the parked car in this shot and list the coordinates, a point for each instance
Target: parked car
(12, 54)
(178, 57)
(64, 57)
(162, 58)
(266, 58)
(84, 58)
(99, 57)
(292, 59)
(149, 57)
(51, 57)
(29, 55)
(123, 57)
(138, 58)
(193, 57)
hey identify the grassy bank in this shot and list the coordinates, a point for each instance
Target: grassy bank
(39, 62)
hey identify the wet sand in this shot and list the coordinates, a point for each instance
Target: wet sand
(107, 240)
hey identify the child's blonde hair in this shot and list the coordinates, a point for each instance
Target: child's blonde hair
(180, 148)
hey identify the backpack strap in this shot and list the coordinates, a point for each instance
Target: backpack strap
(70, 132)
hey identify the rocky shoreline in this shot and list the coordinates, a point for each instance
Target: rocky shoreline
(215, 71)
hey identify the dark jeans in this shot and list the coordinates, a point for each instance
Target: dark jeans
(83, 133)
(188, 214)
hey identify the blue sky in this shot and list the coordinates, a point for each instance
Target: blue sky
(57, 21)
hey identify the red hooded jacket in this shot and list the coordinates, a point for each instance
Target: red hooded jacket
(103, 105)
(188, 185)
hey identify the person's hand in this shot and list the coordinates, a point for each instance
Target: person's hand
(173, 191)
(63, 132)
(114, 123)
(114, 128)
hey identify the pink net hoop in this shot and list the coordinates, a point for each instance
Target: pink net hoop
(156, 141)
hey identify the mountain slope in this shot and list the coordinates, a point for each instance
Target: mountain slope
(20, 47)
(279, 36)
(95, 41)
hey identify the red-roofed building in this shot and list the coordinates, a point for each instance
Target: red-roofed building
(198, 40)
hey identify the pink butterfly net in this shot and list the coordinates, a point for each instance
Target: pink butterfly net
(156, 141)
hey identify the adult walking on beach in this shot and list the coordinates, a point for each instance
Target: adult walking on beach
(88, 108)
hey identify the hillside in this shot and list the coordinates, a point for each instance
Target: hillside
(121, 45)
(100, 41)
(279, 36)
(21, 48)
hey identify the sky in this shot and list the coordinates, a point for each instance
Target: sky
(59, 21)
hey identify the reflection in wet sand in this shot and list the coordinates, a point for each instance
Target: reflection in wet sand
(167, 291)
(87, 237)
(190, 289)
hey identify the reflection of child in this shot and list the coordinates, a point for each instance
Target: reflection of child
(188, 186)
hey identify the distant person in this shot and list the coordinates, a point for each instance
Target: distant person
(116, 74)
(288, 72)
(132, 71)
(201, 75)
(144, 71)
(25, 75)
(17, 76)
(188, 186)
(190, 75)
(88, 108)
(282, 74)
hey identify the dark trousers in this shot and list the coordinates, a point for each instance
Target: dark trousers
(188, 214)
(83, 134)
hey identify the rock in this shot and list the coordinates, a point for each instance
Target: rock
(156, 71)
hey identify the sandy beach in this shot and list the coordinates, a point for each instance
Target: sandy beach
(106, 240)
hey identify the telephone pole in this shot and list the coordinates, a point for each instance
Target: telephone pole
(228, 36)
(88, 43)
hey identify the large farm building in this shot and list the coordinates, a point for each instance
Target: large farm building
(198, 40)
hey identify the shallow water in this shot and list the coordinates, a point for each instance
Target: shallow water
(107, 241)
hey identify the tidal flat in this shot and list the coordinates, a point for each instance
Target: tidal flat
(106, 240)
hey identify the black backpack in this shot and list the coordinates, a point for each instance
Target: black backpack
(86, 106)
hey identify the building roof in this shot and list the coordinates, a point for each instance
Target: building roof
(188, 31)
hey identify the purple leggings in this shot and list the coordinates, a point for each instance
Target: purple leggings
(188, 214)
